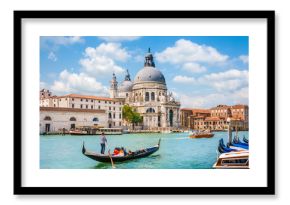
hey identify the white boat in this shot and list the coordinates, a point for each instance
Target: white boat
(233, 160)
(166, 131)
(97, 131)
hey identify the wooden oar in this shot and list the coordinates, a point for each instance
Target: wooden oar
(113, 166)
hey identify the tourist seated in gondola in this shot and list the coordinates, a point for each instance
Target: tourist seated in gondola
(116, 151)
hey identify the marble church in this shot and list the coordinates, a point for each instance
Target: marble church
(148, 94)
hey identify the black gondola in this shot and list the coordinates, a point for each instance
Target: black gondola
(245, 140)
(134, 155)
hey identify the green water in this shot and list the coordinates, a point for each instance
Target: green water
(177, 151)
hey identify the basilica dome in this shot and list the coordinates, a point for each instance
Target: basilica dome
(149, 72)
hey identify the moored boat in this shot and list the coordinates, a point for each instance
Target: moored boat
(96, 131)
(233, 160)
(117, 158)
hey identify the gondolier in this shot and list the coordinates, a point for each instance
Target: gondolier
(103, 143)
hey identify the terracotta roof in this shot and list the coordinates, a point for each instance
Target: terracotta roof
(219, 107)
(200, 111)
(62, 109)
(212, 119)
(186, 109)
(89, 97)
(239, 106)
(196, 110)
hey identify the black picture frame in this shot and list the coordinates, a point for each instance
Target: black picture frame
(269, 16)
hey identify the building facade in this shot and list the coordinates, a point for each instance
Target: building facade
(55, 119)
(149, 96)
(216, 118)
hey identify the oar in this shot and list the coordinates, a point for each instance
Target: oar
(113, 166)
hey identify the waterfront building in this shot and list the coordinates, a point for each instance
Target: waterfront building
(215, 118)
(55, 119)
(90, 105)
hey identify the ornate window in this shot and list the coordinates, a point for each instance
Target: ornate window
(72, 119)
(47, 118)
(153, 96)
(150, 110)
(147, 96)
(95, 119)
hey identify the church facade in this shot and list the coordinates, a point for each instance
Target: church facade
(149, 96)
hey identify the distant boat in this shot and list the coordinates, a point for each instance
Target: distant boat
(116, 158)
(166, 131)
(78, 132)
(202, 134)
(97, 131)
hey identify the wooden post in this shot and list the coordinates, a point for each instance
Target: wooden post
(229, 131)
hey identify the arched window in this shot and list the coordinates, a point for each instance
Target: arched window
(171, 118)
(150, 110)
(72, 119)
(47, 118)
(147, 96)
(110, 115)
(153, 96)
(95, 119)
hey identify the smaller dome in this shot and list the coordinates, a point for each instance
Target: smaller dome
(126, 86)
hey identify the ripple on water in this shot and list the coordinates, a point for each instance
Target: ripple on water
(177, 151)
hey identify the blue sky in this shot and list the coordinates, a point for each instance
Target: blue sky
(200, 71)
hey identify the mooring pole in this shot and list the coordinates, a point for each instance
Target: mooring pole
(229, 131)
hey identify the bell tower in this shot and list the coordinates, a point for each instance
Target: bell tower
(114, 87)
(149, 62)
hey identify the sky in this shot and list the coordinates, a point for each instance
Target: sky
(200, 71)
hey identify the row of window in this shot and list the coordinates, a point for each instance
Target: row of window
(92, 107)
(48, 118)
(210, 123)
(114, 116)
(87, 100)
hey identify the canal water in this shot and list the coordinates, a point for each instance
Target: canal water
(177, 151)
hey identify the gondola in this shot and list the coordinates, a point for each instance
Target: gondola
(245, 140)
(238, 145)
(237, 141)
(223, 149)
(134, 155)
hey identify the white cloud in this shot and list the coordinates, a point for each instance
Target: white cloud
(62, 40)
(244, 58)
(42, 85)
(77, 83)
(119, 38)
(183, 79)
(111, 50)
(226, 81)
(186, 51)
(53, 42)
(210, 100)
(52, 56)
(194, 67)
(101, 60)
(223, 81)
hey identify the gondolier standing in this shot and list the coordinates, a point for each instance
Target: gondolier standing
(103, 143)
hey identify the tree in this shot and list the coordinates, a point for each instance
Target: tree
(131, 116)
